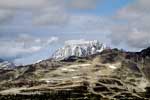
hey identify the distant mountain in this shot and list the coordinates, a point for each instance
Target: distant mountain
(1, 60)
(6, 64)
(79, 49)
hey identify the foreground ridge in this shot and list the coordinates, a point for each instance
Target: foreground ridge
(111, 75)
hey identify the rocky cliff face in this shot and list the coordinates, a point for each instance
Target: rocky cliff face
(79, 49)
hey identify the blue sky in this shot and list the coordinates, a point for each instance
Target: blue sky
(31, 30)
(106, 7)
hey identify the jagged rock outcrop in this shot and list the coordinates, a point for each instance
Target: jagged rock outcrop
(79, 49)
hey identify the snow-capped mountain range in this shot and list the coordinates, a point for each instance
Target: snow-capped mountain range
(79, 49)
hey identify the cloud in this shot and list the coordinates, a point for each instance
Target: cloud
(8, 8)
(133, 25)
(56, 16)
(43, 12)
(88, 24)
(23, 45)
(6, 15)
(70, 42)
(22, 4)
(141, 6)
(52, 39)
(82, 4)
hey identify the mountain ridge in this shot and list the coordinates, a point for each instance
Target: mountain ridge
(110, 74)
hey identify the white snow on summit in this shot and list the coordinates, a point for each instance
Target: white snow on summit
(79, 48)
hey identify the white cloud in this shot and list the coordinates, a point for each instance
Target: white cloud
(43, 11)
(69, 42)
(46, 12)
(8, 8)
(83, 4)
(133, 29)
(52, 39)
(54, 15)
(6, 15)
(24, 45)
(25, 4)
(88, 24)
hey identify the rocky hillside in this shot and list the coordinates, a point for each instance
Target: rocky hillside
(110, 75)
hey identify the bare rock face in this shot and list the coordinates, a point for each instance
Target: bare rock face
(79, 49)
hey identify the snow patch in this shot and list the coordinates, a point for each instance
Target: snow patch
(81, 65)
(112, 66)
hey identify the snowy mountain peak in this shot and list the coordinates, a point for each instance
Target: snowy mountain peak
(79, 48)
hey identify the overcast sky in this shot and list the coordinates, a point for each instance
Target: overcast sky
(31, 30)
